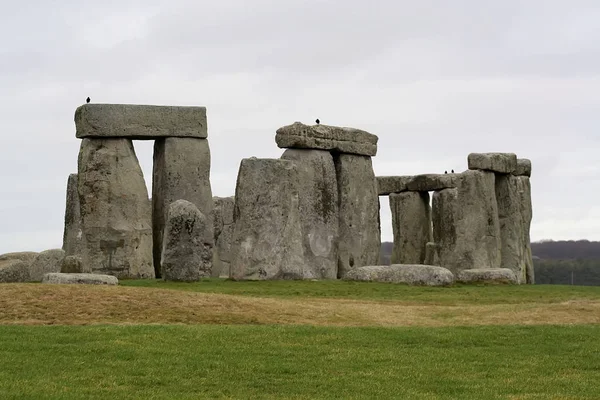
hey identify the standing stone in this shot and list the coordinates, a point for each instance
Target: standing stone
(465, 223)
(181, 172)
(267, 238)
(186, 256)
(223, 231)
(115, 212)
(318, 211)
(411, 224)
(360, 235)
(72, 236)
(511, 225)
(46, 262)
(524, 189)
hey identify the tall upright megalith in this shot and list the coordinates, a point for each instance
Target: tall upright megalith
(523, 172)
(114, 209)
(318, 202)
(223, 234)
(72, 236)
(267, 238)
(411, 225)
(181, 171)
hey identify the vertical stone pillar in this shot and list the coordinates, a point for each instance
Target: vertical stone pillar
(223, 231)
(115, 211)
(411, 222)
(72, 236)
(360, 235)
(181, 171)
(524, 189)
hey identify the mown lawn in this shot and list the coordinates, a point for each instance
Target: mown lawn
(458, 294)
(216, 361)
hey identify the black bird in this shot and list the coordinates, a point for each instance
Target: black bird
(317, 121)
(452, 171)
(445, 172)
(87, 100)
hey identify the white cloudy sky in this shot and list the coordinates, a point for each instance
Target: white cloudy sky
(434, 79)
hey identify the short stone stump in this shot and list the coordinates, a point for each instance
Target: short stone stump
(411, 274)
(82, 279)
(491, 275)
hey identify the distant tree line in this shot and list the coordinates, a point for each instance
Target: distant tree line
(563, 262)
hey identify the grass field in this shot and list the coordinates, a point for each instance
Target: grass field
(303, 340)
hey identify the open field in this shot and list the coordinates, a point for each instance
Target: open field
(303, 340)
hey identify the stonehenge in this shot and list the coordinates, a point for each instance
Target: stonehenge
(480, 218)
(311, 214)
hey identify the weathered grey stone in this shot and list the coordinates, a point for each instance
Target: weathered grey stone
(115, 211)
(72, 236)
(134, 121)
(181, 172)
(223, 234)
(360, 235)
(431, 182)
(82, 279)
(392, 184)
(511, 226)
(186, 256)
(325, 137)
(73, 265)
(267, 238)
(422, 275)
(465, 223)
(47, 261)
(14, 270)
(26, 256)
(411, 225)
(318, 201)
(524, 189)
(431, 254)
(495, 275)
(523, 167)
(504, 163)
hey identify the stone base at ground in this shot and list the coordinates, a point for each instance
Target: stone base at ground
(14, 270)
(85, 279)
(47, 261)
(419, 275)
(73, 265)
(496, 275)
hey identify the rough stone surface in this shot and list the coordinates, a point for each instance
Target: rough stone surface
(523, 167)
(431, 254)
(72, 236)
(186, 256)
(325, 137)
(223, 233)
(524, 189)
(181, 172)
(360, 235)
(14, 270)
(267, 238)
(511, 226)
(411, 225)
(504, 163)
(82, 279)
(115, 210)
(465, 223)
(392, 184)
(72, 265)
(318, 202)
(421, 275)
(47, 261)
(26, 256)
(495, 275)
(134, 121)
(418, 183)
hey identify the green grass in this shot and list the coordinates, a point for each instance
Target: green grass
(189, 362)
(381, 291)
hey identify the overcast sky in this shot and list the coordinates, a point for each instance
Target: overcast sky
(435, 80)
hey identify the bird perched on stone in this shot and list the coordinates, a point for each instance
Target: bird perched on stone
(87, 100)
(445, 172)
(317, 121)
(452, 171)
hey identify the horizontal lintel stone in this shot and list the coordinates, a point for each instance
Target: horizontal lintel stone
(134, 121)
(504, 163)
(523, 167)
(325, 137)
(415, 183)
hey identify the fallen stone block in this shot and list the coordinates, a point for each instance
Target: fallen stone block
(325, 137)
(47, 261)
(186, 256)
(411, 226)
(134, 121)
(72, 265)
(82, 279)
(418, 275)
(26, 256)
(504, 163)
(523, 167)
(14, 270)
(495, 275)
(431, 254)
